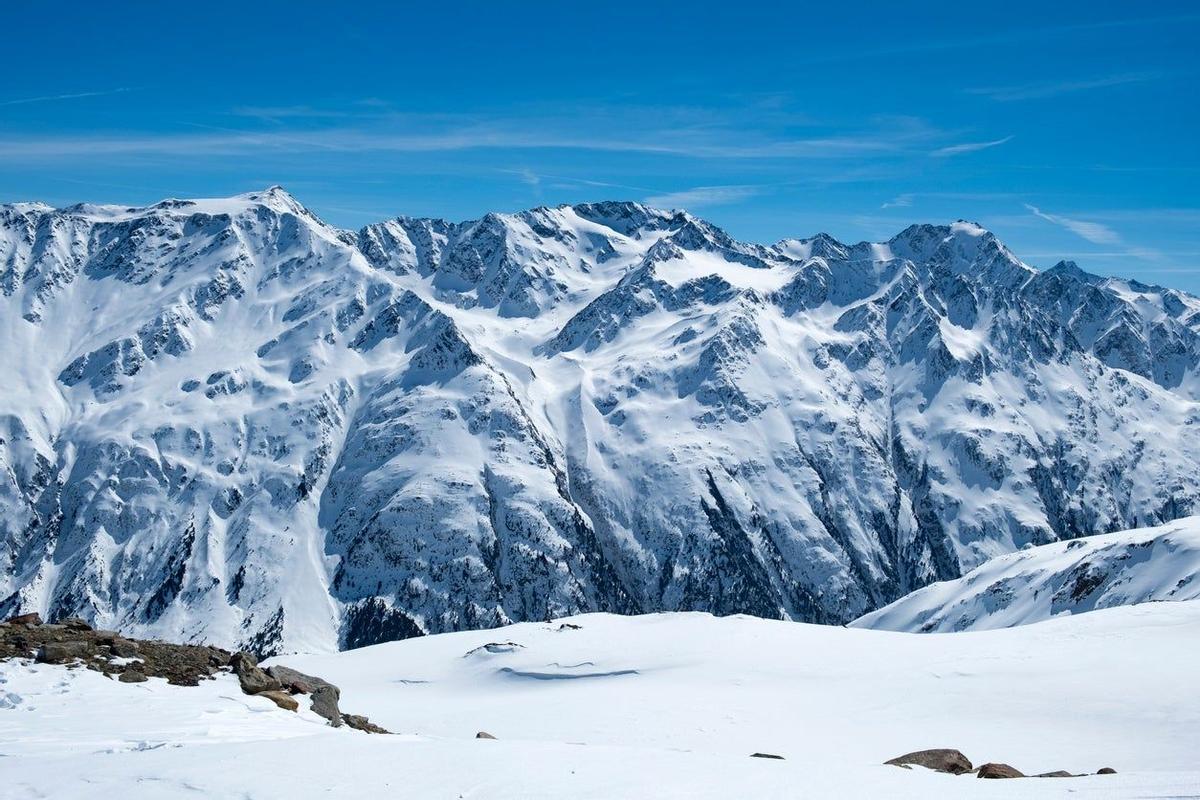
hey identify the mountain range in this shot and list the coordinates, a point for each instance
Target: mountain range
(228, 421)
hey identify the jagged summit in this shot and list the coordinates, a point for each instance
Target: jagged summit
(225, 420)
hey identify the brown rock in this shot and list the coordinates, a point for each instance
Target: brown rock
(75, 624)
(132, 676)
(62, 652)
(297, 682)
(33, 618)
(281, 699)
(939, 759)
(251, 676)
(1058, 773)
(360, 723)
(996, 770)
(484, 735)
(1106, 771)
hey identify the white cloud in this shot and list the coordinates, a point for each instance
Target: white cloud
(900, 201)
(968, 147)
(49, 97)
(1037, 91)
(701, 196)
(1094, 232)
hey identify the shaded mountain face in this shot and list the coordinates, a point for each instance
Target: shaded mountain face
(224, 420)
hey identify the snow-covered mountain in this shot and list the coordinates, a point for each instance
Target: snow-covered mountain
(226, 420)
(1114, 569)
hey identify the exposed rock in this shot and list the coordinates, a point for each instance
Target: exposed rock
(62, 652)
(251, 676)
(123, 648)
(484, 735)
(939, 759)
(25, 619)
(995, 770)
(360, 723)
(297, 682)
(1106, 771)
(281, 699)
(325, 704)
(132, 676)
(1058, 773)
(766, 755)
(75, 624)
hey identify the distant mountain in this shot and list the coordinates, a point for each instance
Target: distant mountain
(225, 420)
(1115, 569)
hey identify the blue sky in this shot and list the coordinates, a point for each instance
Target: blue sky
(1069, 129)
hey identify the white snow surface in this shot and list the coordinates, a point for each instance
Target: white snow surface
(1138, 566)
(657, 706)
(226, 421)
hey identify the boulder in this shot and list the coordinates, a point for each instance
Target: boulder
(766, 755)
(123, 648)
(33, 618)
(325, 704)
(62, 652)
(281, 698)
(251, 676)
(132, 676)
(1058, 773)
(1106, 771)
(360, 723)
(484, 735)
(75, 624)
(938, 759)
(995, 770)
(297, 682)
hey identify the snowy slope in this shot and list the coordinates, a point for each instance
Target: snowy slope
(662, 706)
(224, 420)
(1115, 569)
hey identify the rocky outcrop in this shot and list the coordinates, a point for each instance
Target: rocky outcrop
(996, 770)
(73, 644)
(940, 760)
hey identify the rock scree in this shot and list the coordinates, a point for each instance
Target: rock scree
(73, 643)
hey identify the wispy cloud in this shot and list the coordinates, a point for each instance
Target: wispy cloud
(968, 147)
(696, 142)
(1038, 91)
(703, 196)
(1094, 232)
(900, 201)
(74, 96)
(278, 114)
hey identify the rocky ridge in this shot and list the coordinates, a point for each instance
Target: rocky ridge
(228, 422)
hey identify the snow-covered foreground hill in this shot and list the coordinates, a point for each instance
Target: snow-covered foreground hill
(667, 705)
(227, 421)
(1139, 566)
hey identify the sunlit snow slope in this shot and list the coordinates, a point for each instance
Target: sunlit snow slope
(660, 706)
(1115, 569)
(225, 420)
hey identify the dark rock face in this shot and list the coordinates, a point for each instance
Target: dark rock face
(996, 770)
(1106, 771)
(940, 759)
(484, 735)
(360, 723)
(296, 682)
(766, 755)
